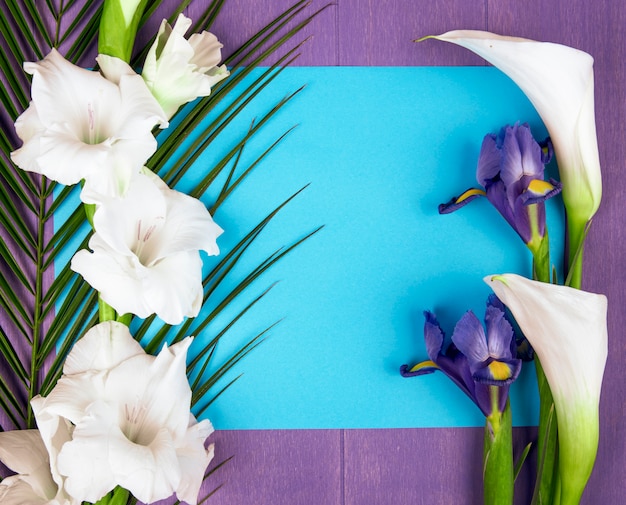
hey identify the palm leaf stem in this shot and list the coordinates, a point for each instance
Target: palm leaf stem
(38, 328)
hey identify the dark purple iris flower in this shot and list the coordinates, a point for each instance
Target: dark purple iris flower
(510, 169)
(475, 361)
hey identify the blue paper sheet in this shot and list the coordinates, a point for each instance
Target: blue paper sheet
(379, 149)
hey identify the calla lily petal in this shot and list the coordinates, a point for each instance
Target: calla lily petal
(567, 329)
(558, 80)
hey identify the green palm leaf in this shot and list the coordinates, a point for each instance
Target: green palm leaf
(42, 315)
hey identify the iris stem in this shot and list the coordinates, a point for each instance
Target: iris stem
(547, 437)
(498, 472)
(540, 250)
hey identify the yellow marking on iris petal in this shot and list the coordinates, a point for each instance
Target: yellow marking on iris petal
(539, 186)
(469, 193)
(499, 371)
(424, 364)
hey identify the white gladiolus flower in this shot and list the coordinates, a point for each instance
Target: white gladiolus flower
(178, 70)
(130, 418)
(80, 125)
(558, 80)
(567, 329)
(145, 251)
(24, 452)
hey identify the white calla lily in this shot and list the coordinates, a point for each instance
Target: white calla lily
(131, 419)
(178, 70)
(24, 452)
(568, 331)
(145, 251)
(558, 80)
(81, 126)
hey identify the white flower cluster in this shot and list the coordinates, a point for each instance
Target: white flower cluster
(96, 127)
(117, 417)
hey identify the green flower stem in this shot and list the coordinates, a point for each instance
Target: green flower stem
(576, 233)
(498, 455)
(118, 27)
(108, 313)
(578, 445)
(119, 496)
(540, 250)
(124, 319)
(547, 441)
(547, 437)
(105, 311)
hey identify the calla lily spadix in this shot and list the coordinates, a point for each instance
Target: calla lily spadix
(568, 331)
(178, 70)
(145, 251)
(128, 418)
(558, 80)
(82, 126)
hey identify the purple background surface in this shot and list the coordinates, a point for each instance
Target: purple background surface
(442, 466)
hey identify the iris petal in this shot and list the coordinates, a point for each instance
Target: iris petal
(498, 373)
(461, 200)
(469, 337)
